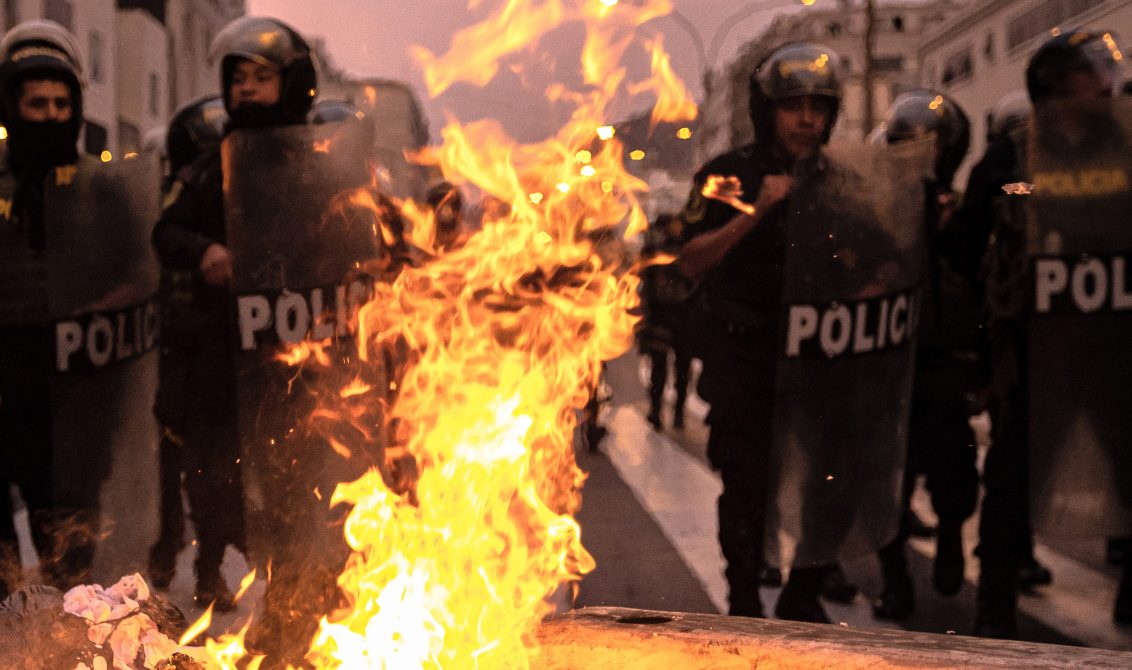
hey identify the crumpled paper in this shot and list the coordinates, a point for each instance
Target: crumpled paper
(113, 616)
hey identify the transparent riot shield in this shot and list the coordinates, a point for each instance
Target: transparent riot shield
(853, 259)
(296, 283)
(1080, 241)
(102, 280)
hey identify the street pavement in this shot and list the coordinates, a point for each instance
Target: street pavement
(648, 517)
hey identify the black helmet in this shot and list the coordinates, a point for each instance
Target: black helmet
(269, 42)
(791, 71)
(39, 49)
(1010, 112)
(923, 112)
(195, 128)
(1069, 52)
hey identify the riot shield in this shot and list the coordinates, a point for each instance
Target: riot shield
(1078, 394)
(295, 261)
(102, 280)
(854, 254)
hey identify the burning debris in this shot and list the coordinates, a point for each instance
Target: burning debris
(123, 627)
(1018, 188)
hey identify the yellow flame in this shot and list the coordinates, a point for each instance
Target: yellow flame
(728, 190)
(673, 103)
(199, 626)
(245, 584)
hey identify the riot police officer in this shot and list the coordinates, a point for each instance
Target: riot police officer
(737, 259)
(941, 443)
(1070, 81)
(41, 106)
(267, 80)
(665, 326)
(196, 128)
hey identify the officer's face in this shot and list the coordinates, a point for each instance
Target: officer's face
(255, 83)
(45, 100)
(799, 124)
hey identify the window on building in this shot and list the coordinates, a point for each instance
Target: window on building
(11, 13)
(1044, 17)
(892, 64)
(96, 54)
(898, 23)
(94, 138)
(59, 11)
(958, 67)
(834, 29)
(988, 48)
(154, 94)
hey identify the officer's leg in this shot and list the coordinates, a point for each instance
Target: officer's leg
(1004, 505)
(212, 481)
(740, 451)
(948, 444)
(171, 536)
(659, 377)
(683, 354)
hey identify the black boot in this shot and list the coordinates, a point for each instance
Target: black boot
(837, 588)
(996, 602)
(1032, 574)
(162, 565)
(1122, 612)
(897, 600)
(948, 569)
(771, 576)
(744, 601)
(800, 599)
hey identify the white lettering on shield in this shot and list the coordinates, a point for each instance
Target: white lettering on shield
(97, 340)
(1084, 284)
(319, 314)
(856, 328)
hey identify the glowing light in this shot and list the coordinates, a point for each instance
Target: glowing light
(609, 3)
(606, 187)
(536, 198)
(1055, 31)
(130, 156)
(808, 3)
(684, 133)
(606, 133)
(588, 171)
(106, 156)
(562, 187)
(636, 155)
(583, 156)
(3, 133)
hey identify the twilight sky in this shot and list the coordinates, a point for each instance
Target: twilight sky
(372, 38)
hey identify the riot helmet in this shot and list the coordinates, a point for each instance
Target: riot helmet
(791, 71)
(921, 113)
(1010, 112)
(1072, 52)
(40, 50)
(273, 44)
(195, 128)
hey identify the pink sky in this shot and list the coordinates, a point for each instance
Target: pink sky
(372, 38)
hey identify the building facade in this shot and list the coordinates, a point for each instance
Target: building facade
(142, 59)
(900, 29)
(980, 56)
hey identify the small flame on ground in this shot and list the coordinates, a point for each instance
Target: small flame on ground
(245, 584)
(199, 626)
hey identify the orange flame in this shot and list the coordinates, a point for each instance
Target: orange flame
(672, 100)
(476, 363)
(728, 190)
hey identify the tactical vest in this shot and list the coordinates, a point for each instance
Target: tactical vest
(23, 268)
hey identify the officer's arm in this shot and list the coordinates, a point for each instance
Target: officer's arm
(964, 238)
(708, 250)
(177, 237)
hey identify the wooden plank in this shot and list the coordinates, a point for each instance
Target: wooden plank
(629, 639)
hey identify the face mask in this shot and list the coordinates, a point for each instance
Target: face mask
(45, 144)
(252, 115)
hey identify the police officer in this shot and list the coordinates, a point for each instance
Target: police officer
(41, 106)
(665, 324)
(1072, 73)
(737, 258)
(196, 128)
(941, 443)
(267, 79)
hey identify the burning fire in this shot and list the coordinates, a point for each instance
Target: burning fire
(466, 531)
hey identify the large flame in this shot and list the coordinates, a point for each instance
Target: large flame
(464, 534)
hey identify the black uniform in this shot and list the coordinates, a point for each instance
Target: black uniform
(665, 326)
(738, 307)
(193, 220)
